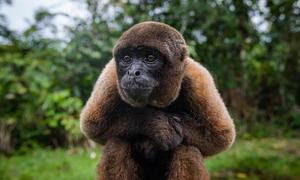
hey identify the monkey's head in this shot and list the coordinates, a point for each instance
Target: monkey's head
(150, 59)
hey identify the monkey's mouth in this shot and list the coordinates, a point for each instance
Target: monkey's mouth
(138, 93)
(135, 85)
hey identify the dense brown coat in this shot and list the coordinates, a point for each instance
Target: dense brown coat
(188, 89)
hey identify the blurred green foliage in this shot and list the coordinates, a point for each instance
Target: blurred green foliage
(46, 80)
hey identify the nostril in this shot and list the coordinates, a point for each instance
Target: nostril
(137, 73)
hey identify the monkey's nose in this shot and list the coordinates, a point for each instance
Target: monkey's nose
(137, 73)
(134, 73)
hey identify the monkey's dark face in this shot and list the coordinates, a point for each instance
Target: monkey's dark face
(138, 71)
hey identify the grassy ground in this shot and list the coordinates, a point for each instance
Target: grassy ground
(248, 159)
(258, 159)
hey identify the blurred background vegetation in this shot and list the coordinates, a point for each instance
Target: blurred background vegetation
(45, 81)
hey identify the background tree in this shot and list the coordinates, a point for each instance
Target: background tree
(45, 80)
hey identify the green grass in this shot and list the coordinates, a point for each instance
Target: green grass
(45, 164)
(248, 159)
(258, 159)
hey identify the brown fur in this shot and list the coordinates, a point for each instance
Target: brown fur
(187, 163)
(187, 90)
(117, 162)
(217, 131)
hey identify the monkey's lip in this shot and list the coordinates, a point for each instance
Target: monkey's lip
(137, 87)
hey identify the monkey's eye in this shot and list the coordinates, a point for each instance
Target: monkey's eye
(126, 59)
(150, 59)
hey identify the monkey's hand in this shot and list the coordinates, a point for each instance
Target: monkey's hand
(165, 130)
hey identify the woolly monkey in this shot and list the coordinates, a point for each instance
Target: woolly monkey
(157, 111)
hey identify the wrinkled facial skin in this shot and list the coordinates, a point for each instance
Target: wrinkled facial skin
(138, 71)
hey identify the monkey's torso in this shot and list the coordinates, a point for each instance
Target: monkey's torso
(155, 162)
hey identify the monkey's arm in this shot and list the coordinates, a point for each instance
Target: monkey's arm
(98, 119)
(217, 132)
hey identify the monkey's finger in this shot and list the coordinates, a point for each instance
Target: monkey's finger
(176, 118)
(177, 127)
